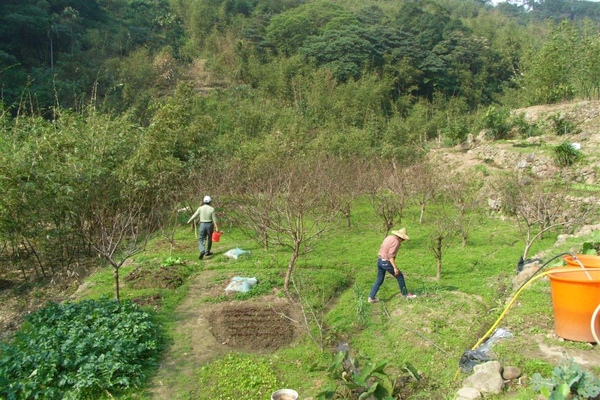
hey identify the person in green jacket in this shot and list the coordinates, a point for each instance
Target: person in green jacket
(208, 224)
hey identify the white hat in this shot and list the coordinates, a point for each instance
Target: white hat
(207, 199)
(401, 234)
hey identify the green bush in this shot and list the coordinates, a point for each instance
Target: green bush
(456, 131)
(563, 126)
(592, 246)
(79, 350)
(525, 129)
(356, 380)
(566, 155)
(495, 121)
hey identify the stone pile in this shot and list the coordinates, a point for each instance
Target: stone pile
(488, 378)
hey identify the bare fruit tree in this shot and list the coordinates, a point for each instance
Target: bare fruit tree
(386, 187)
(357, 176)
(290, 204)
(118, 232)
(424, 183)
(441, 225)
(541, 205)
(463, 191)
(388, 206)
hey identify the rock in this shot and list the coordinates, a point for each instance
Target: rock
(468, 393)
(495, 204)
(588, 229)
(530, 157)
(511, 372)
(524, 275)
(561, 239)
(490, 366)
(486, 379)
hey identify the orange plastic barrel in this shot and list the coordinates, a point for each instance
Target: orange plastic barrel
(587, 260)
(575, 297)
(216, 236)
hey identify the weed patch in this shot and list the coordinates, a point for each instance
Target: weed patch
(161, 277)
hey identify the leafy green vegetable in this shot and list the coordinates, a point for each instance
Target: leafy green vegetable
(568, 381)
(78, 350)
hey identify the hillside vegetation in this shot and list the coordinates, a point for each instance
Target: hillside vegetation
(317, 127)
(212, 335)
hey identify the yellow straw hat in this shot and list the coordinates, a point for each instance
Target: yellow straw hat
(401, 234)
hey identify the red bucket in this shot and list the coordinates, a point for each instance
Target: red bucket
(216, 236)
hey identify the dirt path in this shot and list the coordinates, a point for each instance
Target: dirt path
(205, 331)
(193, 344)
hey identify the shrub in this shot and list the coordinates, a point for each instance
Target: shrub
(566, 155)
(357, 381)
(495, 120)
(456, 131)
(592, 246)
(525, 129)
(562, 126)
(79, 350)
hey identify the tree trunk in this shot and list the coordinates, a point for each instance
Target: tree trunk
(266, 240)
(116, 276)
(291, 265)
(528, 243)
(439, 258)
(346, 211)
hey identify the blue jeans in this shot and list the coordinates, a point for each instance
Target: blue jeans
(382, 268)
(205, 232)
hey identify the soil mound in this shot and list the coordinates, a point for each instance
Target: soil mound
(253, 326)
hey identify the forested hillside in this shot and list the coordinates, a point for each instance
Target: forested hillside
(127, 54)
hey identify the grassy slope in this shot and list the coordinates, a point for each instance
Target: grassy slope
(430, 332)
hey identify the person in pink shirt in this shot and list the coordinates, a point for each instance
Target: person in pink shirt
(386, 262)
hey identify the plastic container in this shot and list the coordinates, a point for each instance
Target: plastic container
(587, 260)
(216, 236)
(575, 297)
(285, 394)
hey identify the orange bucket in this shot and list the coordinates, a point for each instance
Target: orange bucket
(587, 260)
(575, 297)
(216, 236)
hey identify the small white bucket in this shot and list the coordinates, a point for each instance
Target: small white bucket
(285, 394)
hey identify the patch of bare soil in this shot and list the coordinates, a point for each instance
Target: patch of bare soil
(23, 291)
(253, 326)
(206, 331)
(552, 349)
